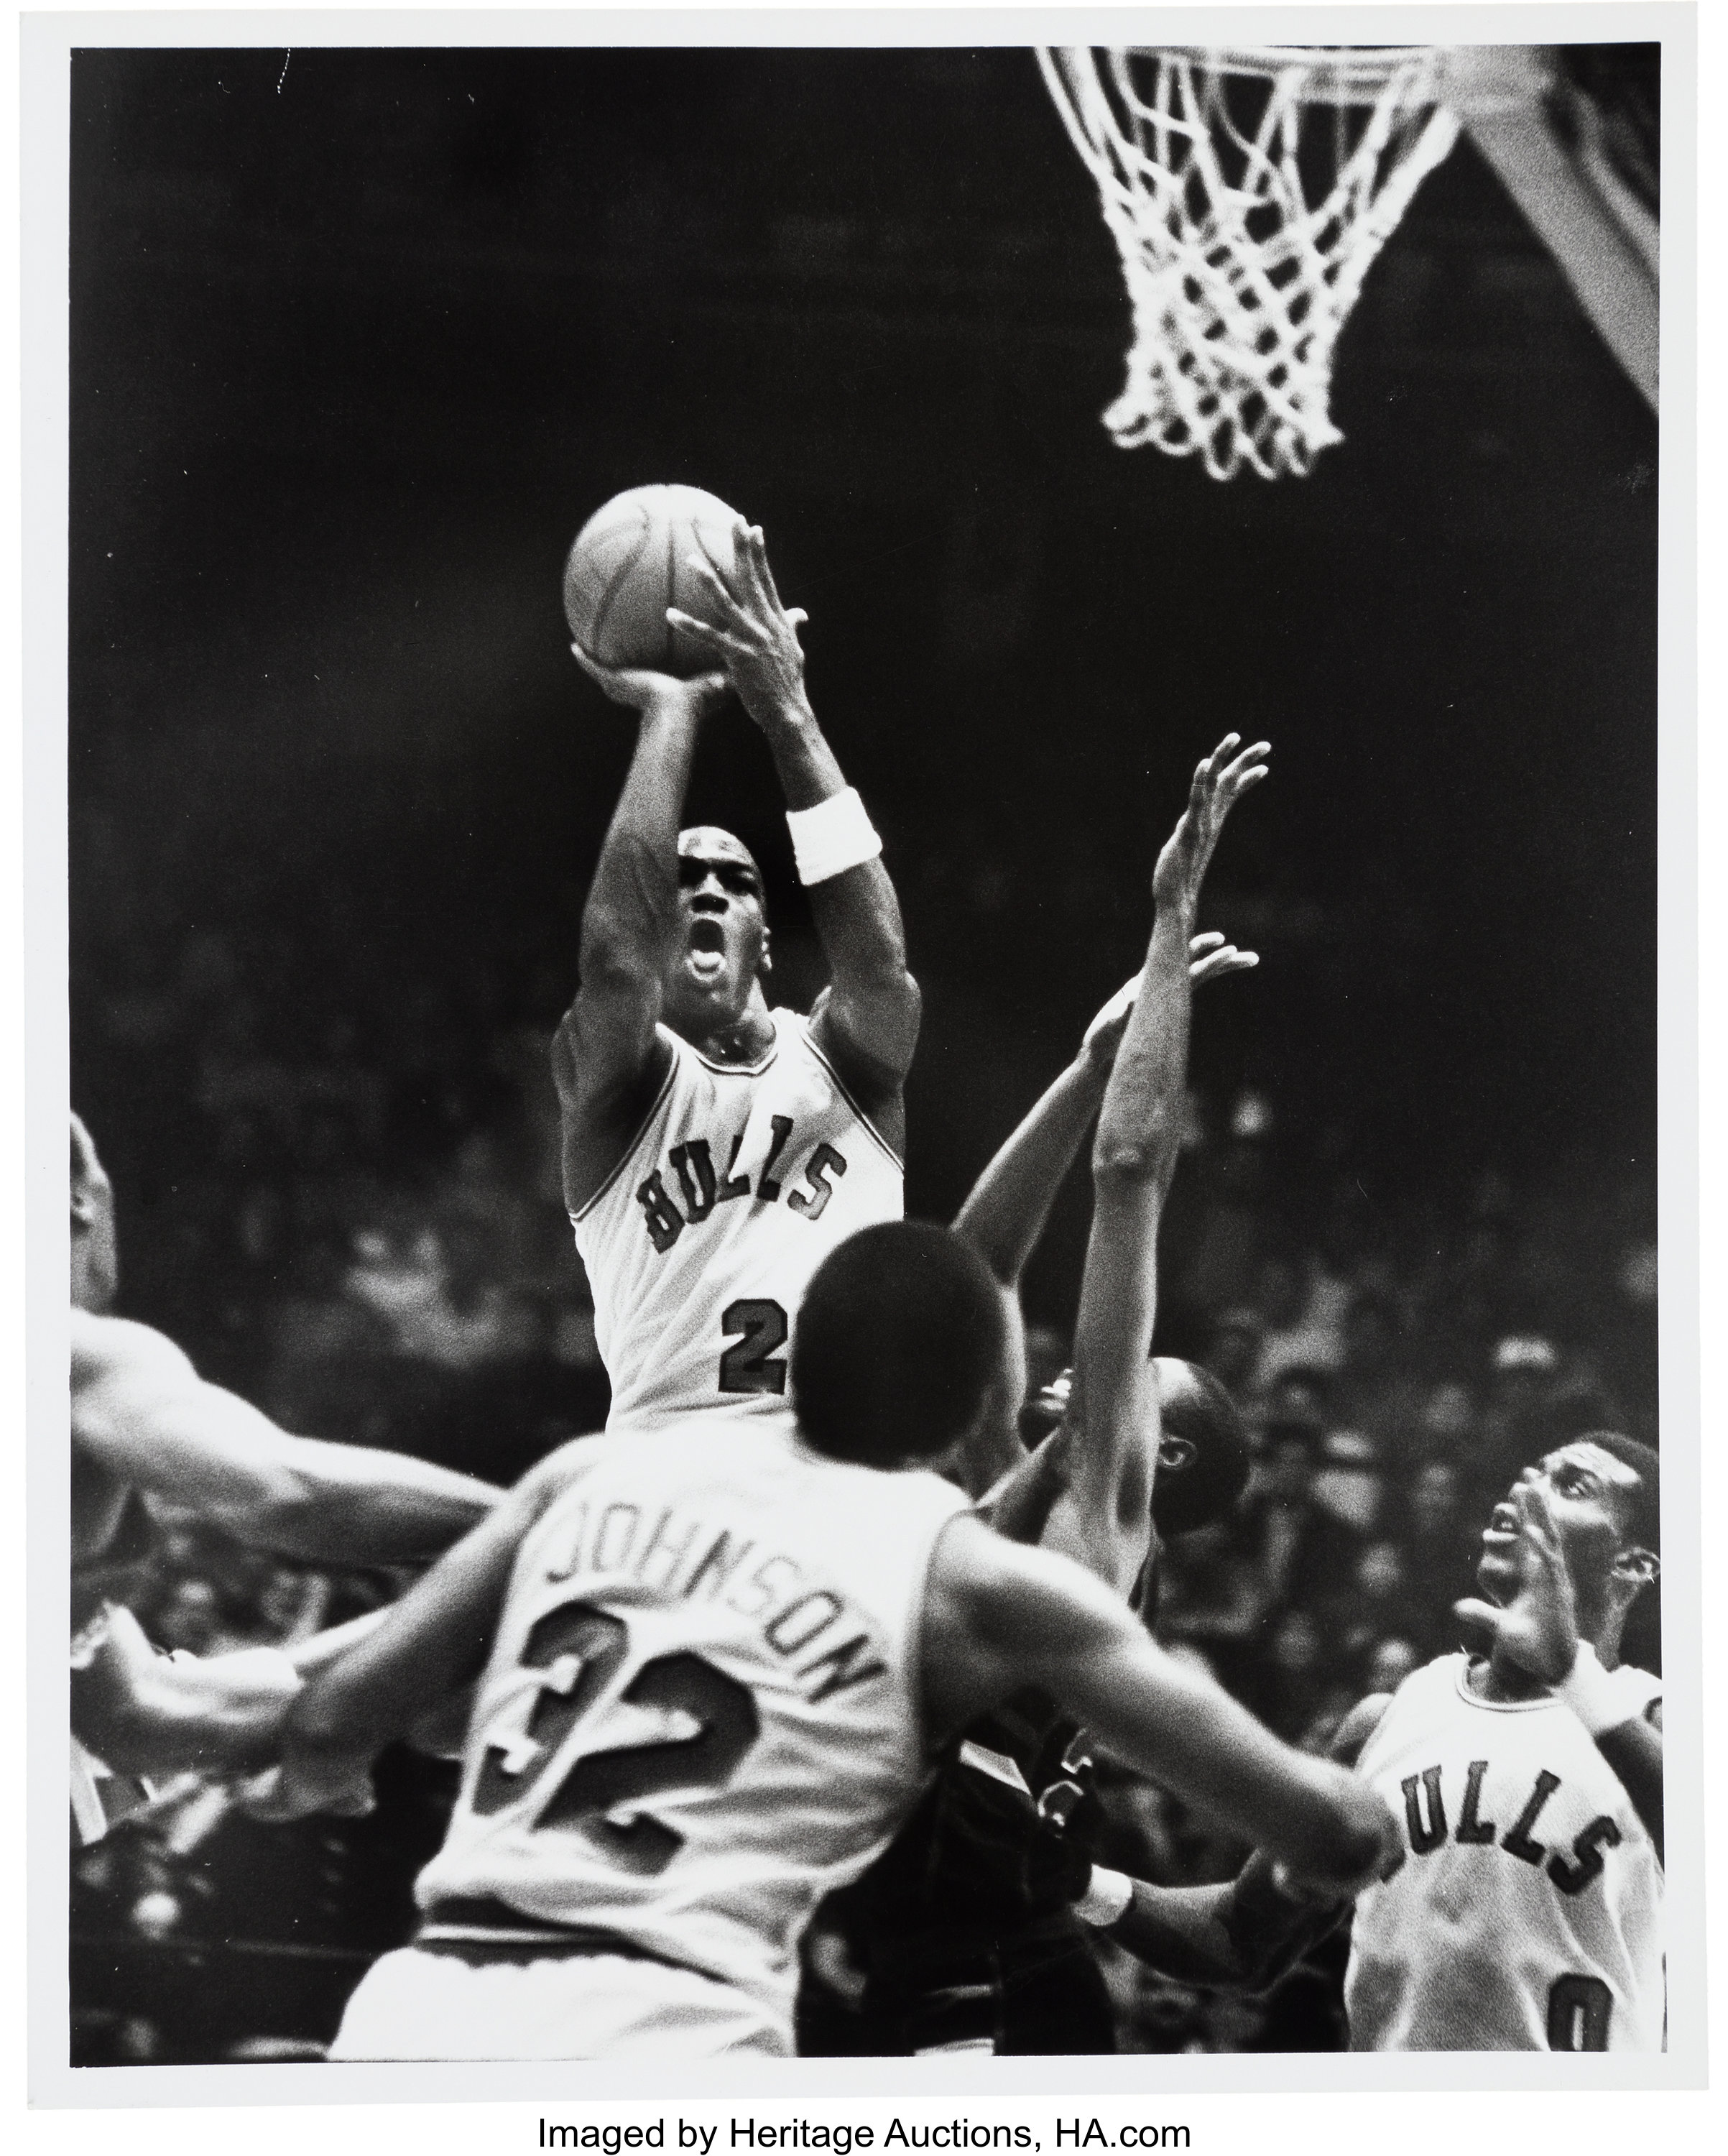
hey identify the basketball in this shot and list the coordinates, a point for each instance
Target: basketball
(630, 562)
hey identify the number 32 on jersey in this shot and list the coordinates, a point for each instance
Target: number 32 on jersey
(580, 1648)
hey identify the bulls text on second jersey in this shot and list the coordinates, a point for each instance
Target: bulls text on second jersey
(1526, 1912)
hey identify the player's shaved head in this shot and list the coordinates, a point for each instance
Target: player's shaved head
(1204, 1455)
(1202, 1451)
(899, 1341)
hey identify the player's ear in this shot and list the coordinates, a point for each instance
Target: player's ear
(765, 964)
(1638, 1567)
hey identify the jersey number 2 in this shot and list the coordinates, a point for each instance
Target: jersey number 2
(590, 1644)
(752, 1367)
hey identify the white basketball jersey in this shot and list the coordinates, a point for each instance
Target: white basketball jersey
(1526, 1912)
(701, 1713)
(699, 1244)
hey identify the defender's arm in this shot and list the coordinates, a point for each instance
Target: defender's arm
(1244, 1935)
(141, 1410)
(998, 1617)
(429, 1645)
(1104, 1518)
(1006, 1211)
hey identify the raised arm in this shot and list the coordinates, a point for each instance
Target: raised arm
(141, 1412)
(868, 1021)
(1007, 1209)
(999, 1617)
(608, 1062)
(1104, 1517)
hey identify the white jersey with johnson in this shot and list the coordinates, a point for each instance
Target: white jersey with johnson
(699, 1244)
(700, 1715)
(1525, 1913)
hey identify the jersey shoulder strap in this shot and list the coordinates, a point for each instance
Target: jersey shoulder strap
(799, 1031)
(674, 1070)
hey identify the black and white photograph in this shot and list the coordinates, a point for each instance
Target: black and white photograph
(861, 1050)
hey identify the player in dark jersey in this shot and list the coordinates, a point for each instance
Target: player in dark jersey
(968, 1927)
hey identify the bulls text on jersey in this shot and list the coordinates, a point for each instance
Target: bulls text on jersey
(1523, 1911)
(699, 1245)
(1428, 1823)
(701, 1188)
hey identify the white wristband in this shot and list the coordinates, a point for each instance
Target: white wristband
(1108, 1894)
(835, 835)
(1591, 1694)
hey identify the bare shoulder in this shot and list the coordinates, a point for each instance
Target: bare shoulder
(1358, 1726)
(106, 1349)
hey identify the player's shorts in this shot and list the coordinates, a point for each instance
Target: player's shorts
(424, 2003)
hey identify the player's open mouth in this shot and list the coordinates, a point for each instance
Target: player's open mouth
(1502, 1527)
(706, 952)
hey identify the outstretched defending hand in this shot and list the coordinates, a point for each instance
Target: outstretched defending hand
(1537, 1630)
(143, 1712)
(643, 690)
(1210, 957)
(755, 636)
(1220, 781)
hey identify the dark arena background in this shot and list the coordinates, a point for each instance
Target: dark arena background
(359, 339)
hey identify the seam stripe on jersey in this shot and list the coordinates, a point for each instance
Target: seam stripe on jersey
(736, 1070)
(1461, 1685)
(642, 1130)
(846, 1095)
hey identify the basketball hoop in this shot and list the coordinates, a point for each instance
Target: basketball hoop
(1246, 223)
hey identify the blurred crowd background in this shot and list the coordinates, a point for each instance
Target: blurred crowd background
(357, 345)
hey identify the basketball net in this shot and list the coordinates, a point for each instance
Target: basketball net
(1244, 236)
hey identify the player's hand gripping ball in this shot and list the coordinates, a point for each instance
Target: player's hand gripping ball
(631, 561)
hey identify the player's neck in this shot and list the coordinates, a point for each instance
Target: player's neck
(745, 1038)
(1497, 1679)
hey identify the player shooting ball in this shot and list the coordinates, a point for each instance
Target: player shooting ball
(715, 1150)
